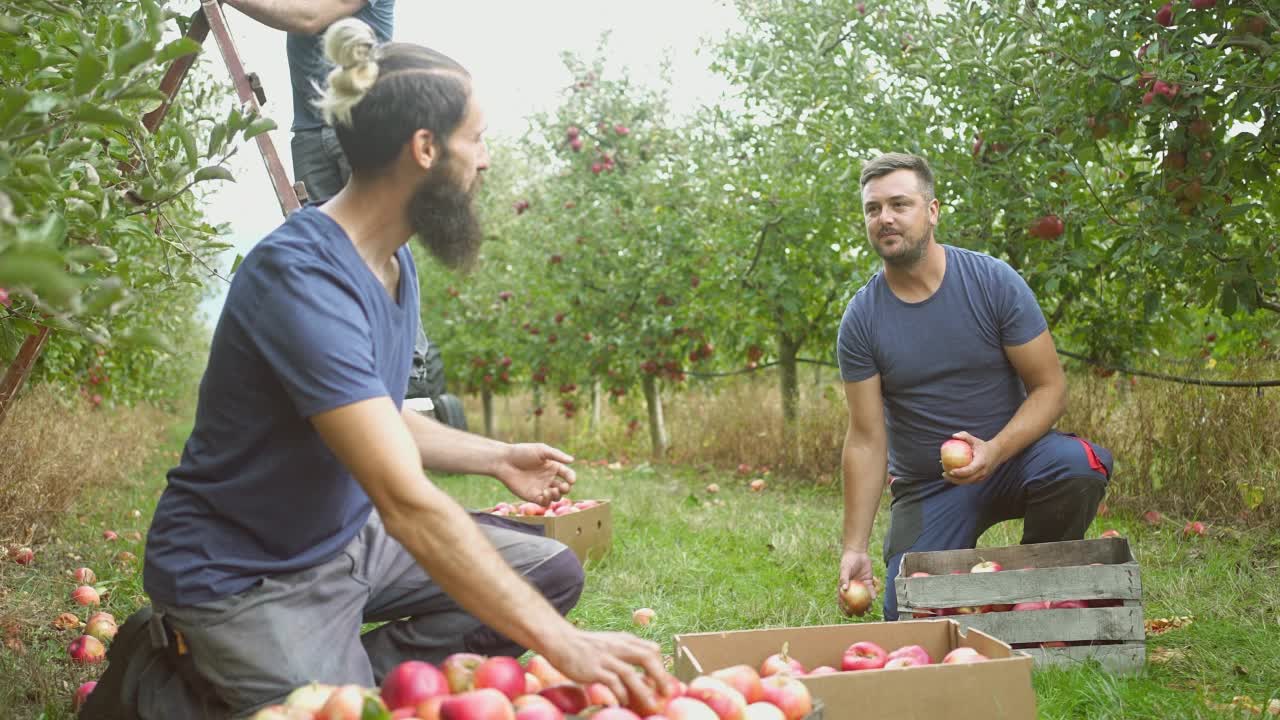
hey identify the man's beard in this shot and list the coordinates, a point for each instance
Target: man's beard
(909, 253)
(441, 215)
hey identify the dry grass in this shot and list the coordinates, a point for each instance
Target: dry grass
(55, 445)
(1212, 453)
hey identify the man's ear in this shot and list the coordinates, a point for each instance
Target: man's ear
(422, 148)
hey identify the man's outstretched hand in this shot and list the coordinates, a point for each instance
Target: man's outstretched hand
(536, 472)
(612, 658)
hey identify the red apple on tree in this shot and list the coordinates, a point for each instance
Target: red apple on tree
(1164, 16)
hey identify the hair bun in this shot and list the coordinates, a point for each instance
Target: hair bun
(348, 44)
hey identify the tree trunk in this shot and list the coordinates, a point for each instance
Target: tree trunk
(537, 418)
(486, 397)
(787, 349)
(597, 406)
(18, 371)
(657, 427)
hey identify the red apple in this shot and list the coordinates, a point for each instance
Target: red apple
(614, 713)
(781, 663)
(1031, 606)
(86, 650)
(643, 616)
(789, 694)
(84, 576)
(85, 595)
(744, 469)
(412, 682)
(532, 685)
(986, 566)
(430, 709)
(484, 704)
(599, 695)
(1152, 517)
(101, 625)
(856, 597)
(547, 674)
(647, 708)
(687, 708)
(963, 656)
(1194, 528)
(744, 679)
(1068, 604)
(1164, 16)
(82, 694)
(568, 697)
(956, 454)
(22, 555)
(501, 673)
(914, 651)
(460, 669)
(713, 488)
(821, 670)
(1110, 534)
(864, 655)
(722, 698)
(109, 535)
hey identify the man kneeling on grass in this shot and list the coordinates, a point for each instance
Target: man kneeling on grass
(300, 510)
(949, 343)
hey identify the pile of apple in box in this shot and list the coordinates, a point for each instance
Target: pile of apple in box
(1060, 602)
(586, 526)
(912, 669)
(473, 687)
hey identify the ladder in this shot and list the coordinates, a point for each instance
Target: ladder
(291, 196)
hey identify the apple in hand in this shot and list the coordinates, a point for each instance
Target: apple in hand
(856, 597)
(956, 454)
(864, 655)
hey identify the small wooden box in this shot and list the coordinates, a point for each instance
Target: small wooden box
(1091, 570)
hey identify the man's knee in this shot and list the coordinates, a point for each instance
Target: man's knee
(560, 579)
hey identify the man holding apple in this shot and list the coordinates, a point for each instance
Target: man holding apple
(946, 343)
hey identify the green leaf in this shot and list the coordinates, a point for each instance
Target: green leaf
(131, 55)
(42, 276)
(188, 145)
(235, 264)
(13, 100)
(216, 138)
(9, 25)
(176, 49)
(89, 71)
(50, 233)
(259, 126)
(214, 172)
(97, 115)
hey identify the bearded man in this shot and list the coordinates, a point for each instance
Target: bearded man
(300, 510)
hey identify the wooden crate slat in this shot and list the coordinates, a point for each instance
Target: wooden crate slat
(1117, 623)
(1109, 551)
(1102, 582)
(1122, 659)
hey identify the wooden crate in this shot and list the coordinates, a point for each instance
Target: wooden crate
(1094, 570)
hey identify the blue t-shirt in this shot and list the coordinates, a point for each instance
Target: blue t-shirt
(307, 327)
(941, 361)
(308, 66)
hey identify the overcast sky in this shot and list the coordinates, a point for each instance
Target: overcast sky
(513, 51)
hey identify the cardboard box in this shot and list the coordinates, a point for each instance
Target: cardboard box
(996, 690)
(1092, 570)
(589, 533)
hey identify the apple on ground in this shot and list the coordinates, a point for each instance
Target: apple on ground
(856, 598)
(66, 621)
(744, 679)
(864, 655)
(483, 704)
(956, 454)
(85, 595)
(1194, 528)
(82, 694)
(963, 656)
(84, 576)
(789, 694)
(109, 535)
(757, 485)
(500, 673)
(1152, 517)
(22, 555)
(101, 625)
(713, 488)
(86, 650)
(643, 616)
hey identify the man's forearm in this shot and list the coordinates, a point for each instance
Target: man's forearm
(1042, 408)
(306, 17)
(449, 450)
(863, 464)
(461, 560)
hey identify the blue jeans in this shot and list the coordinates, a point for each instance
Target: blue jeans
(1055, 485)
(318, 163)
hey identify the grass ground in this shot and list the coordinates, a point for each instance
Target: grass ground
(729, 561)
